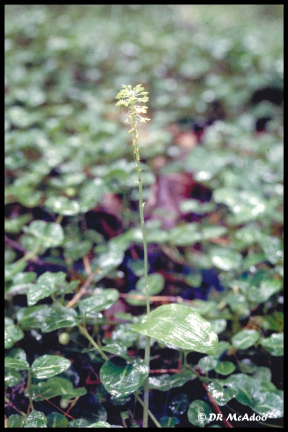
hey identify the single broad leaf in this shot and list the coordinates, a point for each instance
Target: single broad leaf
(62, 205)
(79, 423)
(155, 283)
(208, 363)
(245, 339)
(221, 392)
(214, 231)
(121, 378)
(55, 386)
(12, 377)
(36, 419)
(166, 382)
(266, 289)
(169, 422)
(12, 269)
(218, 325)
(47, 234)
(198, 413)
(16, 363)
(274, 344)
(225, 259)
(250, 393)
(12, 333)
(49, 365)
(178, 325)
(15, 421)
(225, 368)
(57, 420)
(46, 285)
(116, 349)
(185, 235)
(195, 206)
(101, 299)
(59, 317)
(32, 317)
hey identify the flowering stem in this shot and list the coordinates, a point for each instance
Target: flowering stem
(128, 97)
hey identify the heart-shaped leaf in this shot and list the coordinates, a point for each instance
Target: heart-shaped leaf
(178, 325)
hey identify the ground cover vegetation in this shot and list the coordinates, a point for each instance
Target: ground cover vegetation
(147, 295)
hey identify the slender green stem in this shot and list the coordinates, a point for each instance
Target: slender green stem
(29, 388)
(149, 412)
(85, 333)
(141, 211)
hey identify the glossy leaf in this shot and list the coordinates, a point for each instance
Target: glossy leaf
(185, 235)
(225, 368)
(208, 363)
(225, 259)
(33, 316)
(245, 339)
(178, 325)
(13, 333)
(49, 365)
(250, 393)
(55, 386)
(12, 377)
(274, 344)
(57, 420)
(169, 422)
(46, 285)
(36, 419)
(221, 392)
(47, 234)
(62, 205)
(166, 382)
(101, 299)
(155, 283)
(15, 421)
(121, 378)
(59, 317)
(198, 413)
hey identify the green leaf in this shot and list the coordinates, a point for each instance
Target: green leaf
(59, 317)
(195, 206)
(179, 404)
(79, 423)
(218, 325)
(15, 421)
(251, 393)
(32, 317)
(47, 235)
(185, 235)
(116, 349)
(16, 363)
(15, 224)
(245, 339)
(166, 382)
(225, 368)
(12, 334)
(169, 422)
(274, 344)
(55, 386)
(49, 365)
(208, 363)
(155, 283)
(225, 259)
(62, 205)
(178, 325)
(101, 299)
(101, 424)
(12, 377)
(265, 291)
(198, 413)
(36, 419)
(56, 420)
(221, 392)
(46, 285)
(121, 378)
